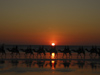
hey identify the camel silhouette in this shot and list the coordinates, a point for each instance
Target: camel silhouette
(80, 51)
(40, 51)
(28, 63)
(14, 62)
(80, 63)
(66, 63)
(93, 65)
(28, 51)
(2, 50)
(92, 50)
(65, 51)
(52, 50)
(99, 52)
(40, 63)
(2, 61)
(14, 50)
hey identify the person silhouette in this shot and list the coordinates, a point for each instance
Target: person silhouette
(2, 50)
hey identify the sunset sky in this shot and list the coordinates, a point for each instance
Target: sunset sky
(41, 22)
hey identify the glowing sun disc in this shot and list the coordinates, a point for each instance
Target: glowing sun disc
(53, 44)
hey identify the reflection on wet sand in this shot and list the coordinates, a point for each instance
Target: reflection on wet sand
(66, 63)
(80, 63)
(52, 63)
(40, 63)
(48, 66)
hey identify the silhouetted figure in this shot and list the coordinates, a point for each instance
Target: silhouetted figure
(28, 62)
(2, 61)
(2, 51)
(65, 51)
(80, 63)
(28, 51)
(40, 63)
(92, 50)
(80, 51)
(40, 51)
(52, 50)
(99, 52)
(14, 50)
(14, 62)
(66, 63)
(93, 65)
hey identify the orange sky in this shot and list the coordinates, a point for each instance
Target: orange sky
(43, 22)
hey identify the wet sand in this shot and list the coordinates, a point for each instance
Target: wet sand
(46, 66)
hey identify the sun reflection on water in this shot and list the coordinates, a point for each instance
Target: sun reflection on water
(53, 55)
(53, 62)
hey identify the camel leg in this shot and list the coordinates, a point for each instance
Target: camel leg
(77, 55)
(84, 56)
(54, 56)
(90, 55)
(12, 55)
(18, 54)
(57, 55)
(5, 55)
(40, 55)
(25, 55)
(69, 56)
(1, 54)
(44, 55)
(95, 55)
(37, 55)
(33, 55)
(50, 55)
(81, 56)
(66, 55)
(30, 55)
(63, 55)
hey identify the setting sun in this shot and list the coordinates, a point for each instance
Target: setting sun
(53, 44)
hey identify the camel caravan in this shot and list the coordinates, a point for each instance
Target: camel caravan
(15, 51)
